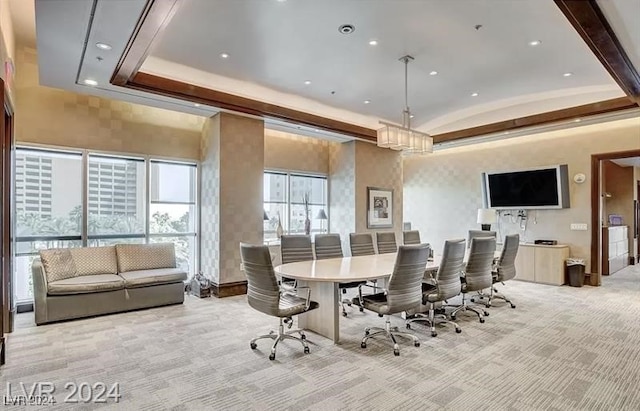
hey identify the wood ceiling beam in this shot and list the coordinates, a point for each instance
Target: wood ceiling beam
(155, 17)
(600, 107)
(202, 95)
(588, 20)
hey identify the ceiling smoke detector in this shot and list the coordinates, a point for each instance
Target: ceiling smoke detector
(347, 28)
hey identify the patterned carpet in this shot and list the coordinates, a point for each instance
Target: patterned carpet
(551, 353)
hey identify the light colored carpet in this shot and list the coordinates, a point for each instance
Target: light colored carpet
(551, 353)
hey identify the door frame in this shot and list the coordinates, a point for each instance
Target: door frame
(595, 277)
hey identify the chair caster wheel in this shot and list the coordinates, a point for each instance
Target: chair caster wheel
(408, 326)
(434, 334)
(458, 330)
(253, 346)
(513, 306)
(396, 353)
(482, 320)
(363, 345)
(303, 337)
(361, 309)
(366, 333)
(488, 305)
(473, 300)
(306, 350)
(453, 318)
(486, 313)
(416, 344)
(348, 304)
(272, 357)
(344, 314)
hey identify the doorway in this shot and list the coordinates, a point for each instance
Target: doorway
(613, 206)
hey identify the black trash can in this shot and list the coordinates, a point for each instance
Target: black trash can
(575, 271)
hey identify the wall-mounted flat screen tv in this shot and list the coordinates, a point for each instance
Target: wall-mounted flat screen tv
(534, 188)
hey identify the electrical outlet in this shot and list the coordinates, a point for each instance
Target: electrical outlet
(579, 227)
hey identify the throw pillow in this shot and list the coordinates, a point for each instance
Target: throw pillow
(58, 264)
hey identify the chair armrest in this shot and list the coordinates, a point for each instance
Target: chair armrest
(294, 291)
(39, 291)
(375, 287)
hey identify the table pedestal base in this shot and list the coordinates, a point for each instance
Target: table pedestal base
(325, 320)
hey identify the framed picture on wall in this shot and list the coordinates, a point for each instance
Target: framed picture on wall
(379, 208)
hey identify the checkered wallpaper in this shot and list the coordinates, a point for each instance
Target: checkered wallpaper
(231, 191)
(442, 191)
(288, 151)
(342, 191)
(62, 118)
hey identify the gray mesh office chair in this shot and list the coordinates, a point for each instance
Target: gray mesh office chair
(411, 237)
(294, 248)
(446, 285)
(330, 246)
(386, 242)
(404, 292)
(477, 273)
(264, 295)
(361, 244)
(505, 268)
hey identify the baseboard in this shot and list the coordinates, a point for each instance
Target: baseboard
(229, 289)
(24, 308)
(632, 260)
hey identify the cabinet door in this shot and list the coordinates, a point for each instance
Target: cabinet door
(524, 264)
(549, 264)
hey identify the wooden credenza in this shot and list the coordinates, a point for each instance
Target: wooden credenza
(543, 264)
(615, 250)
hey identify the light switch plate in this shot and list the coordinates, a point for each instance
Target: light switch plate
(579, 227)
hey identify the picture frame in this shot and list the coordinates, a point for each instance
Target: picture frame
(379, 207)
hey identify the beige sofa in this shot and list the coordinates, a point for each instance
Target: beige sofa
(81, 282)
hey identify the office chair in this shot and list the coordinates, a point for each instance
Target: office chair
(477, 273)
(411, 237)
(446, 285)
(404, 292)
(478, 234)
(505, 268)
(330, 246)
(361, 244)
(264, 295)
(386, 242)
(294, 248)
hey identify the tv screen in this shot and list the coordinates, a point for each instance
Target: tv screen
(537, 188)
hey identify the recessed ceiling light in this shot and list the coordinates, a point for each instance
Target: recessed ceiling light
(366, 102)
(224, 55)
(90, 82)
(103, 46)
(568, 74)
(411, 116)
(373, 42)
(535, 43)
(196, 105)
(281, 1)
(433, 73)
(474, 94)
(577, 120)
(307, 82)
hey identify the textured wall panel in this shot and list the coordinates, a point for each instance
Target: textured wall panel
(50, 116)
(287, 151)
(442, 191)
(210, 199)
(342, 191)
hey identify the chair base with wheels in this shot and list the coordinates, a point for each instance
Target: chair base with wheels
(343, 289)
(493, 295)
(464, 307)
(431, 320)
(280, 336)
(391, 333)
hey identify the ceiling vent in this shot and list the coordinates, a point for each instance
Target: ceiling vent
(347, 28)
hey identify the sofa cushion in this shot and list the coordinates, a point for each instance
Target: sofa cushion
(134, 257)
(58, 264)
(144, 278)
(95, 260)
(86, 284)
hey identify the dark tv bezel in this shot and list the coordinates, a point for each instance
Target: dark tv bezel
(562, 180)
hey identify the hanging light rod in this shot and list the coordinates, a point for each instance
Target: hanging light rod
(403, 137)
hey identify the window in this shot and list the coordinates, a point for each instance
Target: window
(48, 210)
(173, 209)
(122, 205)
(284, 198)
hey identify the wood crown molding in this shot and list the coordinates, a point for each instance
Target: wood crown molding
(588, 20)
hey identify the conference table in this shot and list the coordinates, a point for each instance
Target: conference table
(323, 277)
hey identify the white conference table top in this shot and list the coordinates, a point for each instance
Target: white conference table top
(346, 269)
